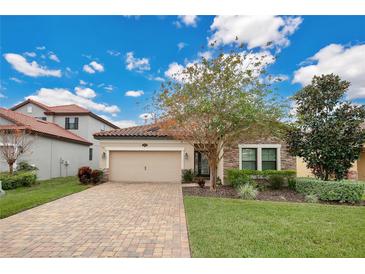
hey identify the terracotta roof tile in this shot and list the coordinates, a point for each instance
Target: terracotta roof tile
(151, 130)
(39, 126)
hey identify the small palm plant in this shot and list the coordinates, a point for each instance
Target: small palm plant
(247, 192)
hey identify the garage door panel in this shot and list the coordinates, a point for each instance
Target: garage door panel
(145, 166)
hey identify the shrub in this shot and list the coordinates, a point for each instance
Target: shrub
(311, 198)
(25, 166)
(18, 179)
(201, 182)
(238, 177)
(187, 176)
(84, 174)
(341, 191)
(276, 181)
(247, 192)
(97, 176)
(291, 183)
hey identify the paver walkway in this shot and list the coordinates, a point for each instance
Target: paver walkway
(109, 220)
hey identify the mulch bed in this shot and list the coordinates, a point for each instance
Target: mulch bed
(282, 195)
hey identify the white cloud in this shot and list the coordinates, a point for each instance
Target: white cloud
(54, 57)
(137, 64)
(187, 20)
(41, 48)
(157, 78)
(16, 80)
(146, 116)
(113, 52)
(253, 31)
(2, 95)
(82, 82)
(134, 93)
(109, 88)
(33, 69)
(96, 66)
(205, 54)
(59, 96)
(85, 92)
(174, 71)
(120, 123)
(92, 67)
(69, 72)
(30, 54)
(181, 45)
(88, 69)
(347, 62)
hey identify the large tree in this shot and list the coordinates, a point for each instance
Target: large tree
(328, 132)
(212, 102)
(14, 142)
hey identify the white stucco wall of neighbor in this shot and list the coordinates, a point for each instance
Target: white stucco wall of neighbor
(47, 153)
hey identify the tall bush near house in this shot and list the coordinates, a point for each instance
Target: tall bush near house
(187, 176)
(25, 166)
(327, 132)
(97, 176)
(12, 181)
(212, 102)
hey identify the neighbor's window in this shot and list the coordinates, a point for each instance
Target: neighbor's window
(249, 158)
(90, 154)
(72, 123)
(29, 109)
(42, 118)
(268, 156)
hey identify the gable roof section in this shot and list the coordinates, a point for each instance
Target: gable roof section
(40, 127)
(71, 109)
(148, 131)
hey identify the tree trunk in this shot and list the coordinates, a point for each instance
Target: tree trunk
(213, 175)
(11, 169)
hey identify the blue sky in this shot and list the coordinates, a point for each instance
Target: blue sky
(113, 64)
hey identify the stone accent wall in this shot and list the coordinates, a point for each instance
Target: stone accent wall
(231, 153)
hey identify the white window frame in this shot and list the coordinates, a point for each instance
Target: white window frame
(29, 109)
(259, 148)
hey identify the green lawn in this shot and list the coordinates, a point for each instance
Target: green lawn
(236, 228)
(23, 198)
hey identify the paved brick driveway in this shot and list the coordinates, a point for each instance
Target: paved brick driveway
(110, 220)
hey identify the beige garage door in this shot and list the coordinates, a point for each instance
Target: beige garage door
(145, 166)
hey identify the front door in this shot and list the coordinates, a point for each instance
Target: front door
(201, 165)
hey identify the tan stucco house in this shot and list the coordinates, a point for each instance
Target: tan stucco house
(148, 154)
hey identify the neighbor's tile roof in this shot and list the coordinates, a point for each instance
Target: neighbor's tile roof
(39, 126)
(71, 109)
(152, 130)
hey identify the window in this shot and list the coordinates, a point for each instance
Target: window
(259, 156)
(29, 109)
(90, 154)
(42, 118)
(201, 165)
(249, 158)
(103, 128)
(268, 156)
(72, 123)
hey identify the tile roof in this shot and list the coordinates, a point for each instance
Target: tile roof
(63, 110)
(38, 126)
(151, 130)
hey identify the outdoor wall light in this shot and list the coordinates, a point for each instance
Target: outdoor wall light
(103, 155)
(186, 156)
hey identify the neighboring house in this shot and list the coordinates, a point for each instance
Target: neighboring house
(356, 172)
(73, 118)
(55, 151)
(148, 154)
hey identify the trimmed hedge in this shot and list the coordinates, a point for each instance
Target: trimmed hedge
(340, 191)
(18, 179)
(238, 177)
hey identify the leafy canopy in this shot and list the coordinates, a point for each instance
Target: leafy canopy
(328, 133)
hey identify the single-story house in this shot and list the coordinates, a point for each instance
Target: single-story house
(149, 154)
(55, 151)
